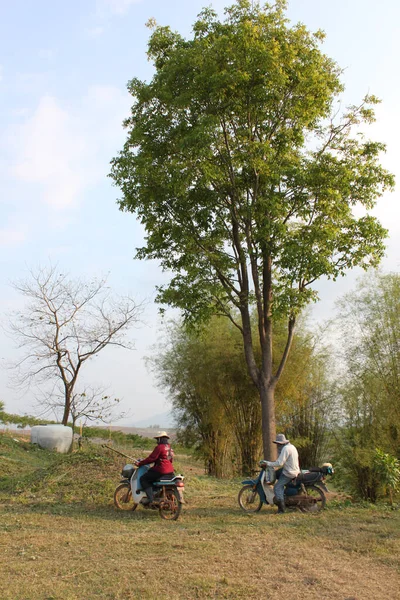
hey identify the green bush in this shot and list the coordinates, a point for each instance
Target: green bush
(366, 472)
(387, 468)
(354, 466)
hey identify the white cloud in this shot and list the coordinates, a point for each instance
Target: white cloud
(66, 151)
(48, 152)
(117, 7)
(19, 112)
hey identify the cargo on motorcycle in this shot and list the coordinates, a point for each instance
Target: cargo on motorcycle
(288, 487)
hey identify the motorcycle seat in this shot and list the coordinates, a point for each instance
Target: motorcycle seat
(171, 480)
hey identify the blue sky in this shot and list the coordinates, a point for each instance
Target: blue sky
(63, 73)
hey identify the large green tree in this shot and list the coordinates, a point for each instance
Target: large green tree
(244, 175)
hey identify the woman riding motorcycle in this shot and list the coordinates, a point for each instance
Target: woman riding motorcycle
(162, 457)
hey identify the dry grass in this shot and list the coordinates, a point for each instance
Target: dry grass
(61, 539)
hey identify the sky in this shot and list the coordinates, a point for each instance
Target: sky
(64, 67)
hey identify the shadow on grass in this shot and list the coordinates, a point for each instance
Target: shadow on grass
(76, 510)
(82, 511)
(110, 513)
(208, 511)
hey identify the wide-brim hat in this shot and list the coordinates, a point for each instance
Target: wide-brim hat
(161, 434)
(280, 439)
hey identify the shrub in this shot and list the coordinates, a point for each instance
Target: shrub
(387, 468)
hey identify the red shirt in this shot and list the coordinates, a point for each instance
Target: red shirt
(162, 459)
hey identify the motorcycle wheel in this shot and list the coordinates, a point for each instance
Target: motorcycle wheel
(123, 497)
(249, 499)
(318, 495)
(170, 507)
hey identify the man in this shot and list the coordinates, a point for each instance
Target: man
(162, 457)
(288, 459)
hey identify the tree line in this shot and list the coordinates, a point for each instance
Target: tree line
(339, 404)
(342, 406)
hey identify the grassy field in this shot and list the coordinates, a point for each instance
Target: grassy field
(62, 539)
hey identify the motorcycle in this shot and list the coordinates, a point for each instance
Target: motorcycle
(305, 493)
(168, 493)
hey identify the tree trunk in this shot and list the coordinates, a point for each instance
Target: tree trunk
(73, 432)
(267, 397)
(67, 407)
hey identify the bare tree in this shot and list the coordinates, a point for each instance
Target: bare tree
(65, 323)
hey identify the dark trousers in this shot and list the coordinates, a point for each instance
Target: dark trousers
(147, 480)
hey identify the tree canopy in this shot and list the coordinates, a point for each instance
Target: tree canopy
(245, 173)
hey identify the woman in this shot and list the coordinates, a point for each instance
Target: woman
(162, 457)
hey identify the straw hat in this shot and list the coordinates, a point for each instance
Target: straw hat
(161, 434)
(281, 439)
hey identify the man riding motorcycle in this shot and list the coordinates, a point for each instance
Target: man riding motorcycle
(162, 457)
(288, 460)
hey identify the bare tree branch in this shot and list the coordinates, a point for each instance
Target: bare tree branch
(65, 323)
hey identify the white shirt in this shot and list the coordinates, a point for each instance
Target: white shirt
(289, 460)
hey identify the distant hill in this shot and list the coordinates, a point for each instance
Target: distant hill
(160, 421)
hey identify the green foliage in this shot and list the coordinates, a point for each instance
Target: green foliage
(219, 167)
(21, 421)
(368, 473)
(388, 468)
(217, 406)
(127, 439)
(370, 385)
(190, 368)
(305, 399)
(244, 174)
(354, 471)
